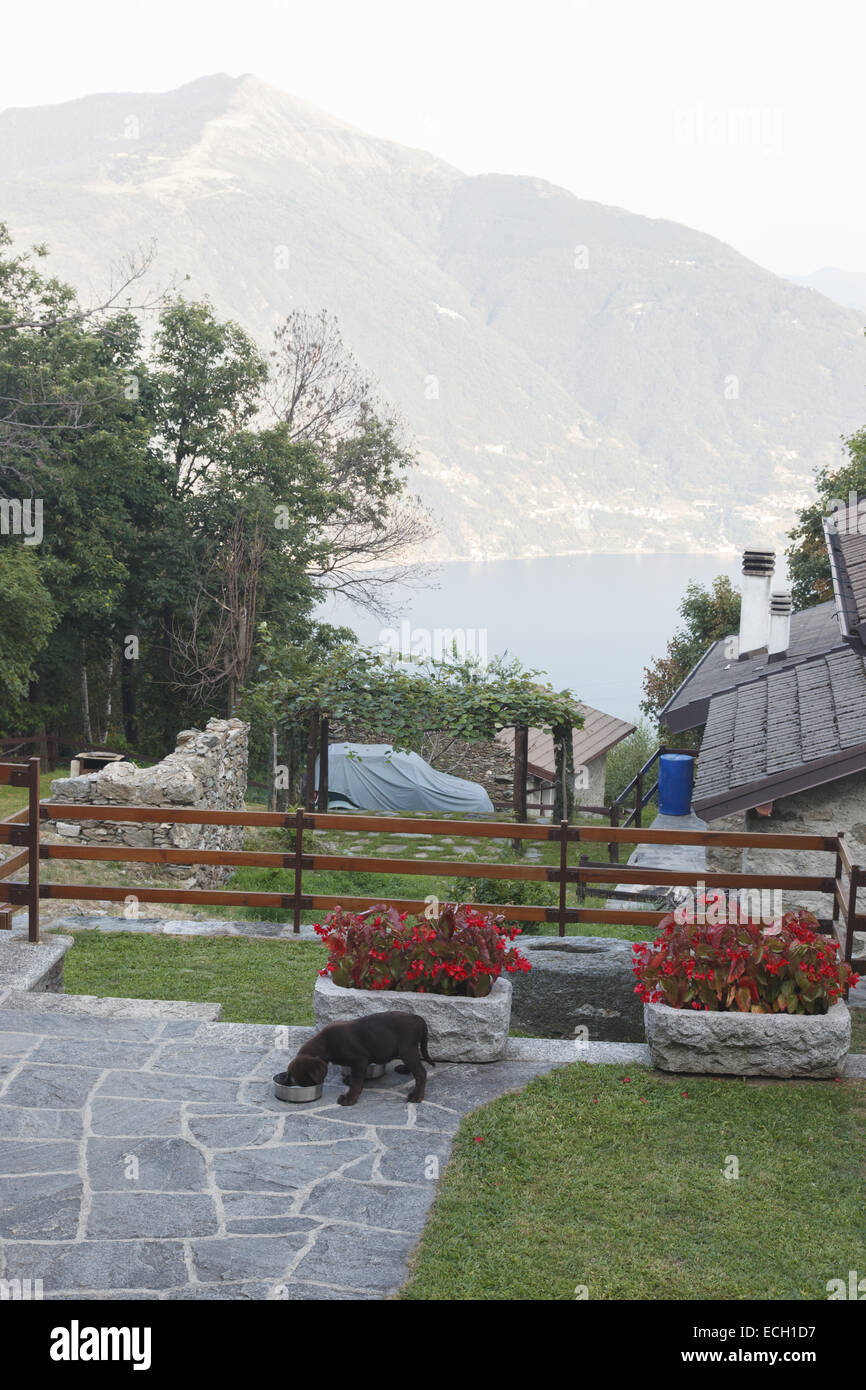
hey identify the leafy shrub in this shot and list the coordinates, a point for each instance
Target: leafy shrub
(626, 758)
(505, 892)
(460, 952)
(742, 966)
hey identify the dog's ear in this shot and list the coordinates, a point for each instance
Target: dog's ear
(307, 1071)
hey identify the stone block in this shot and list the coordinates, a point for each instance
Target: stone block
(461, 1030)
(736, 1044)
(28, 966)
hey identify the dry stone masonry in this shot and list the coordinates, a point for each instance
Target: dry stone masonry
(207, 770)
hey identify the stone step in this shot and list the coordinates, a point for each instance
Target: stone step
(27, 966)
(92, 1006)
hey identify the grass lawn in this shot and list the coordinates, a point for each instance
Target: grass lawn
(255, 981)
(15, 798)
(589, 1179)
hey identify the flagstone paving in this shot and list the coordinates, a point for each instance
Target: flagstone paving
(147, 1157)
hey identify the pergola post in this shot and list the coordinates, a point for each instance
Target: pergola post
(312, 748)
(521, 758)
(322, 802)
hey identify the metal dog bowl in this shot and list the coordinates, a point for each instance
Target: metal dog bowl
(298, 1094)
(373, 1072)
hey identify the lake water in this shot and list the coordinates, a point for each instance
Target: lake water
(592, 622)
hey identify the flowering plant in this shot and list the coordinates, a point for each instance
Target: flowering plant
(787, 967)
(459, 951)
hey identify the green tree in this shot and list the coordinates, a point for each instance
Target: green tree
(625, 760)
(709, 614)
(176, 518)
(73, 441)
(808, 561)
(28, 620)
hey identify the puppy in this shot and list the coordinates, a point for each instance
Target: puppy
(354, 1045)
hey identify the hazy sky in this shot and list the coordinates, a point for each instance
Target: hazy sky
(744, 119)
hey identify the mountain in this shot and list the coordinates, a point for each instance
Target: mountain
(847, 287)
(578, 377)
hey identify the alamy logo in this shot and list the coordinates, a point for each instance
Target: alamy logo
(855, 1288)
(19, 518)
(847, 518)
(719, 909)
(77, 1343)
(20, 1290)
(440, 643)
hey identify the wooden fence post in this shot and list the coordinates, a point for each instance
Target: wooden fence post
(852, 909)
(521, 757)
(613, 847)
(299, 855)
(563, 867)
(837, 873)
(34, 766)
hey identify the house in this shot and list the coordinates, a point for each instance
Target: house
(591, 745)
(783, 710)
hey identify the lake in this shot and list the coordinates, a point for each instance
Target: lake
(592, 622)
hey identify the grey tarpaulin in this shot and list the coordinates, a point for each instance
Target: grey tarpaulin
(376, 777)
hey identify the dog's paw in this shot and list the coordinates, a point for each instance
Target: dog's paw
(345, 1099)
(413, 1097)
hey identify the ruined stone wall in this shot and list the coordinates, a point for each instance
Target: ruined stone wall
(207, 770)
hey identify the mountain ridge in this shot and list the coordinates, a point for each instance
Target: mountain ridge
(578, 377)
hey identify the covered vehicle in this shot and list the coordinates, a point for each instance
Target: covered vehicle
(377, 777)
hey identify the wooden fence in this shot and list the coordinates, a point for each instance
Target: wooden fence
(21, 830)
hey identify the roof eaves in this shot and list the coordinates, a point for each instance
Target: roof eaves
(698, 664)
(802, 778)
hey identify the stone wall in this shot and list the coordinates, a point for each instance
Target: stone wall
(207, 770)
(835, 806)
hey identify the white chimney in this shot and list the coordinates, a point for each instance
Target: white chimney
(758, 566)
(780, 625)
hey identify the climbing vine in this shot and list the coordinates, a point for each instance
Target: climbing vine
(357, 686)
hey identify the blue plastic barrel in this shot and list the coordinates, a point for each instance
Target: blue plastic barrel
(676, 775)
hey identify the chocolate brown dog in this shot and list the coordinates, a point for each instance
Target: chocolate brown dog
(354, 1045)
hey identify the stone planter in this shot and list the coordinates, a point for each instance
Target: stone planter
(737, 1044)
(461, 1030)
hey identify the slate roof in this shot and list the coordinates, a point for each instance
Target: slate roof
(847, 553)
(814, 632)
(793, 728)
(599, 733)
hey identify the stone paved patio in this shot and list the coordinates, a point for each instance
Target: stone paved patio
(143, 1154)
(146, 1156)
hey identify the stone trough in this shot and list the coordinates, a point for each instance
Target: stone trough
(577, 982)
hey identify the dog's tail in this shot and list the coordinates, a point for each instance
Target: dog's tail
(424, 1053)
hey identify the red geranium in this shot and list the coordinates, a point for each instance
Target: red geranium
(742, 966)
(460, 952)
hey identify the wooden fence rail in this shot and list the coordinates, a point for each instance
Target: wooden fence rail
(22, 831)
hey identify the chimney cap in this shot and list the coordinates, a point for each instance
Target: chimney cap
(759, 562)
